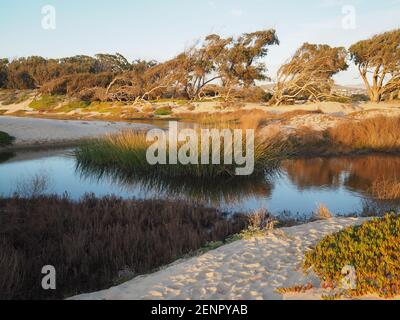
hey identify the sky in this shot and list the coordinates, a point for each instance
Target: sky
(160, 29)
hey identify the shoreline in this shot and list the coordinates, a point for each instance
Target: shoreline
(38, 133)
(246, 269)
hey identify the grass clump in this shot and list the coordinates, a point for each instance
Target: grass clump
(373, 249)
(126, 153)
(45, 103)
(5, 139)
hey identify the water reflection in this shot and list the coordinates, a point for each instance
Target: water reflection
(299, 186)
(230, 191)
(357, 174)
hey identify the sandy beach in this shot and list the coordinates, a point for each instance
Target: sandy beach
(247, 269)
(30, 132)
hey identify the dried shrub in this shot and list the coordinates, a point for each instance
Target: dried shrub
(322, 213)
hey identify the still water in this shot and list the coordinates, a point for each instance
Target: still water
(342, 184)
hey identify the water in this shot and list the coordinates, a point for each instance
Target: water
(342, 184)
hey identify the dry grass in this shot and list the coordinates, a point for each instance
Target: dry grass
(322, 213)
(95, 241)
(377, 134)
(386, 189)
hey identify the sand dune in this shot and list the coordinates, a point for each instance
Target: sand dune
(247, 269)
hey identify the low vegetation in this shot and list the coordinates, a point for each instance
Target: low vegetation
(126, 152)
(378, 134)
(386, 189)
(45, 103)
(97, 242)
(373, 249)
(5, 139)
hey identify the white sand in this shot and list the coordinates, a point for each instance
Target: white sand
(29, 131)
(247, 269)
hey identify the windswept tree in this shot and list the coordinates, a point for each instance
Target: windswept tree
(227, 62)
(242, 66)
(378, 61)
(308, 75)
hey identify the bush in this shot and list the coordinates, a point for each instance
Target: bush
(163, 111)
(5, 139)
(91, 241)
(372, 248)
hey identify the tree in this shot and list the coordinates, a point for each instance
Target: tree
(115, 63)
(3, 72)
(308, 75)
(378, 61)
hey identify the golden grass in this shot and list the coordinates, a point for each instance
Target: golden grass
(378, 134)
(322, 213)
(386, 189)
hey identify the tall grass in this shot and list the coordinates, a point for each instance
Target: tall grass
(126, 153)
(378, 134)
(90, 242)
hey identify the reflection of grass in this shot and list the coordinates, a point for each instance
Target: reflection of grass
(373, 249)
(5, 139)
(211, 191)
(5, 156)
(126, 153)
(90, 241)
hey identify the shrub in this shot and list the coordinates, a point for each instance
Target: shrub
(373, 249)
(5, 139)
(163, 111)
(92, 241)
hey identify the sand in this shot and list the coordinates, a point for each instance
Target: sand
(247, 269)
(33, 131)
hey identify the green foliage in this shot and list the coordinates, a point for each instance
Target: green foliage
(5, 139)
(126, 153)
(74, 105)
(372, 248)
(45, 103)
(163, 111)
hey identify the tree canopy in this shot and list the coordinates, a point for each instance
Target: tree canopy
(378, 61)
(308, 75)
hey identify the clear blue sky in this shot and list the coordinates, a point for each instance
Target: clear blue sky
(160, 29)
